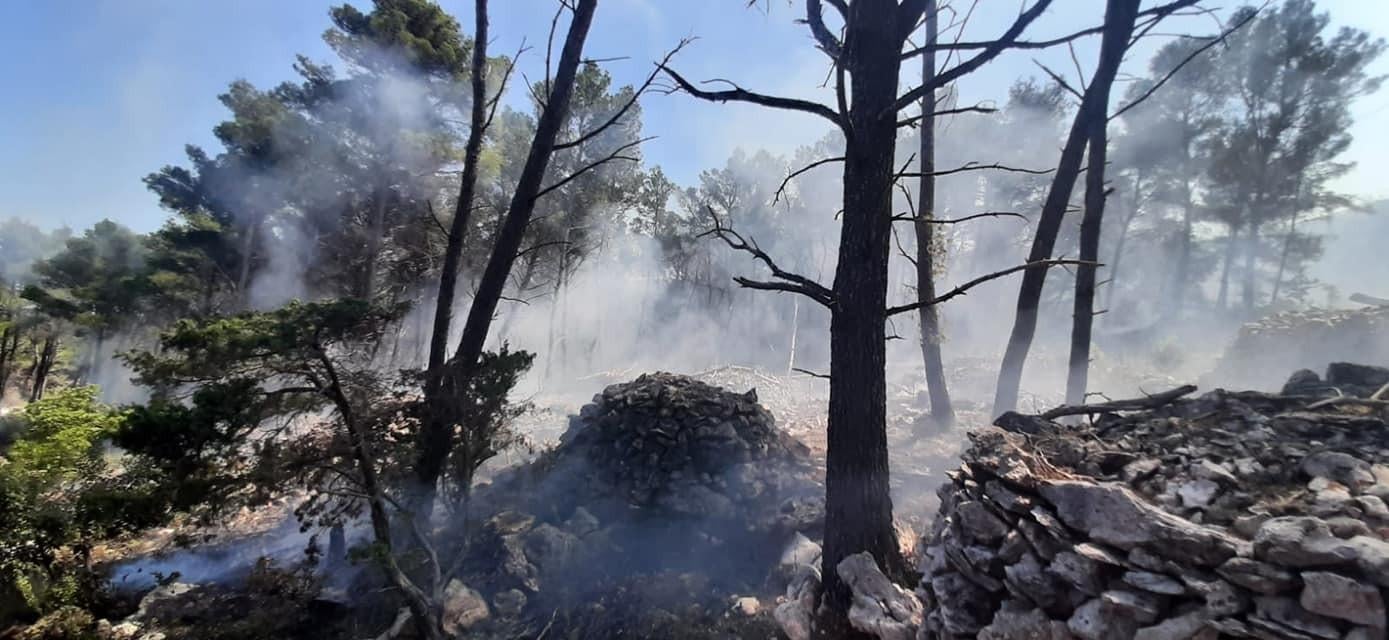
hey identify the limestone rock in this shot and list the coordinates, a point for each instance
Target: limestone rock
(879, 607)
(1114, 515)
(1337, 596)
(463, 607)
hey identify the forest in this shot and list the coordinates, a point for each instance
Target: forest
(428, 346)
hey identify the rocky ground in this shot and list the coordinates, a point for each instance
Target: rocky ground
(1233, 514)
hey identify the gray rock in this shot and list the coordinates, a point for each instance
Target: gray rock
(463, 607)
(1198, 493)
(1300, 541)
(1257, 576)
(1374, 507)
(1016, 623)
(1006, 498)
(1347, 527)
(1365, 633)
(964, 607)
(1081, 572)
(1029, 580)
(1114, 515)
(1221, 598)
(1208, 470)
(1287, 612)
(1140, 469)
(1337, 596)
(1154, 583)
(879, 607)
(1098, 620)
(980, 524)
(1191, 626)
(1013, 547)
(800, 550)
(1142, 606)
(1372, 557)
(1340, 467)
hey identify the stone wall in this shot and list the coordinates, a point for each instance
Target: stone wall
(1240, 515)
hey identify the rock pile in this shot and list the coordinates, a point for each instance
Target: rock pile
(1265, 350)
(1242, 515)
(667, 446)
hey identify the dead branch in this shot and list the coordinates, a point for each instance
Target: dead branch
(1132, 404)
(991, 51)
(823, 376)
(627, 106)
(782, 189)
(615, 155)
(964, 288)
(1060, 80)
(792, 282)
(1192, 56)
(973, 166)
(814, 16)
(739, 94)
(978, 108)
(986, 214)
(1369, 300)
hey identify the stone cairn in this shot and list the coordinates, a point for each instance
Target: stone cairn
(668, 446)
(1231, 515)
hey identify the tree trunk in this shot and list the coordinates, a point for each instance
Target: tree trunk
(436, 435)
(1117, 257)
(1118, 28)
(1180, 270)
(42, 365)
(928, 317)
(8, 344)
(858, 506)
(1251, 263)
(1283, 260)
(1222, 297)
(248, 247)
(376, 231)
(1083, 316)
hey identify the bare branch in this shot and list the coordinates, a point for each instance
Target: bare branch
(738, 94)
(615, 155)
(978, 108)
(1060, 80)
(810, 373)
(991, 50)
(627, 106)
(792, 282)
(818, 163)
(987, 214)
(973, 166)
(814, 17)
(1134, 404)
(964, 288)
(1198, 51)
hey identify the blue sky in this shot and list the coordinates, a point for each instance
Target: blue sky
(98, 93)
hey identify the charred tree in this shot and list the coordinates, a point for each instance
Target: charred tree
(928, 317)
(1083, 316)
(436, 435)
(1120, 16)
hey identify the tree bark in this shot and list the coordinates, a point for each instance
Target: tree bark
(1118, 28)
(1283, 260)
(1251, 263)
(437, 434)
(1083, 316)
(1117, 257)
(857, 500)
(928, 317)
(376, 231)
(42, 365)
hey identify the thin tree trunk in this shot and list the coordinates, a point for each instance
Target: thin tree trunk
(1117, 257)
(1180, 270)
(1222, 297)
(1251, 251)
(1283, 260)
(434, 441)
(1118, 28)
(1083, 316)
(795, 331)
(928, 317)
(376, 231)
(42, 366)
(858, 505)
(436, 435)
(248, 247)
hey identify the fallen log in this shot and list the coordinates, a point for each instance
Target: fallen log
(1132, 404)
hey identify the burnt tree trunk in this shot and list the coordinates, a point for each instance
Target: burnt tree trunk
(928, 317)
(1117, 256)
(1083, 316)
(462, 212)
(436, 435)
(42, 365)
(1119, 19)
(857, 502)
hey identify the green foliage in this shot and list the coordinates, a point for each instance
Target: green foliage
(47, 484)
(419, 30)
